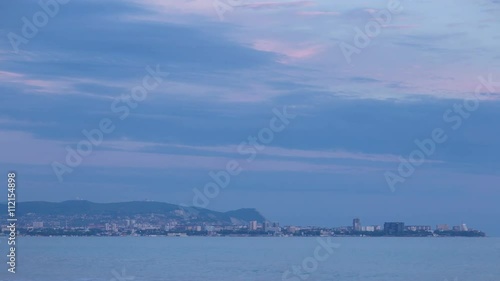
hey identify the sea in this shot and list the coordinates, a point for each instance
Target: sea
(253, 259)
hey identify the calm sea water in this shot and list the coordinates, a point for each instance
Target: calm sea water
(249, 259)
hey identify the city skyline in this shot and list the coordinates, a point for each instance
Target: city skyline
(186, 211)
(149, 218)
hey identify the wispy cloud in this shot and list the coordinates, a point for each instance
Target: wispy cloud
(36, 85)
(269, 151)
(317, 13)
(275, 5)
(285, 49)
(23, 148)
(395, 26)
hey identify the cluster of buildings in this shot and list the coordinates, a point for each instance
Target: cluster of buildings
(445, 227)
(153, 225)
(138, 226)
(265, 226)
(399, 228)
(356, 226)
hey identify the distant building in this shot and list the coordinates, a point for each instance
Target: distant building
(343, 228)
(418, 228)
(53, 224)
(37, 224)
(356, 224)
(463, 227)
(442, 227)
(266, 225)
(368, 228)
(271, 227)
(394, 228)
(111, 227)
(456, 228)
(252, 225)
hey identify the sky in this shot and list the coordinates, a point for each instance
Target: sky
(313, 112)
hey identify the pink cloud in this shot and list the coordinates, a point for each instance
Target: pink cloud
(55, 85)
(317, 13)
(35, 85)
(173, 6)
(10, 75)
(371, 11)
(274, 5)
(207, 8)
(204, 7)
(393, 26)
(298, 53)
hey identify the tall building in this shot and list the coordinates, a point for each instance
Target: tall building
(394, 228)
(356, 224)
(266, 225)
(253, 225)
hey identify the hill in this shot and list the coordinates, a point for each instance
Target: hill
(130, 209)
